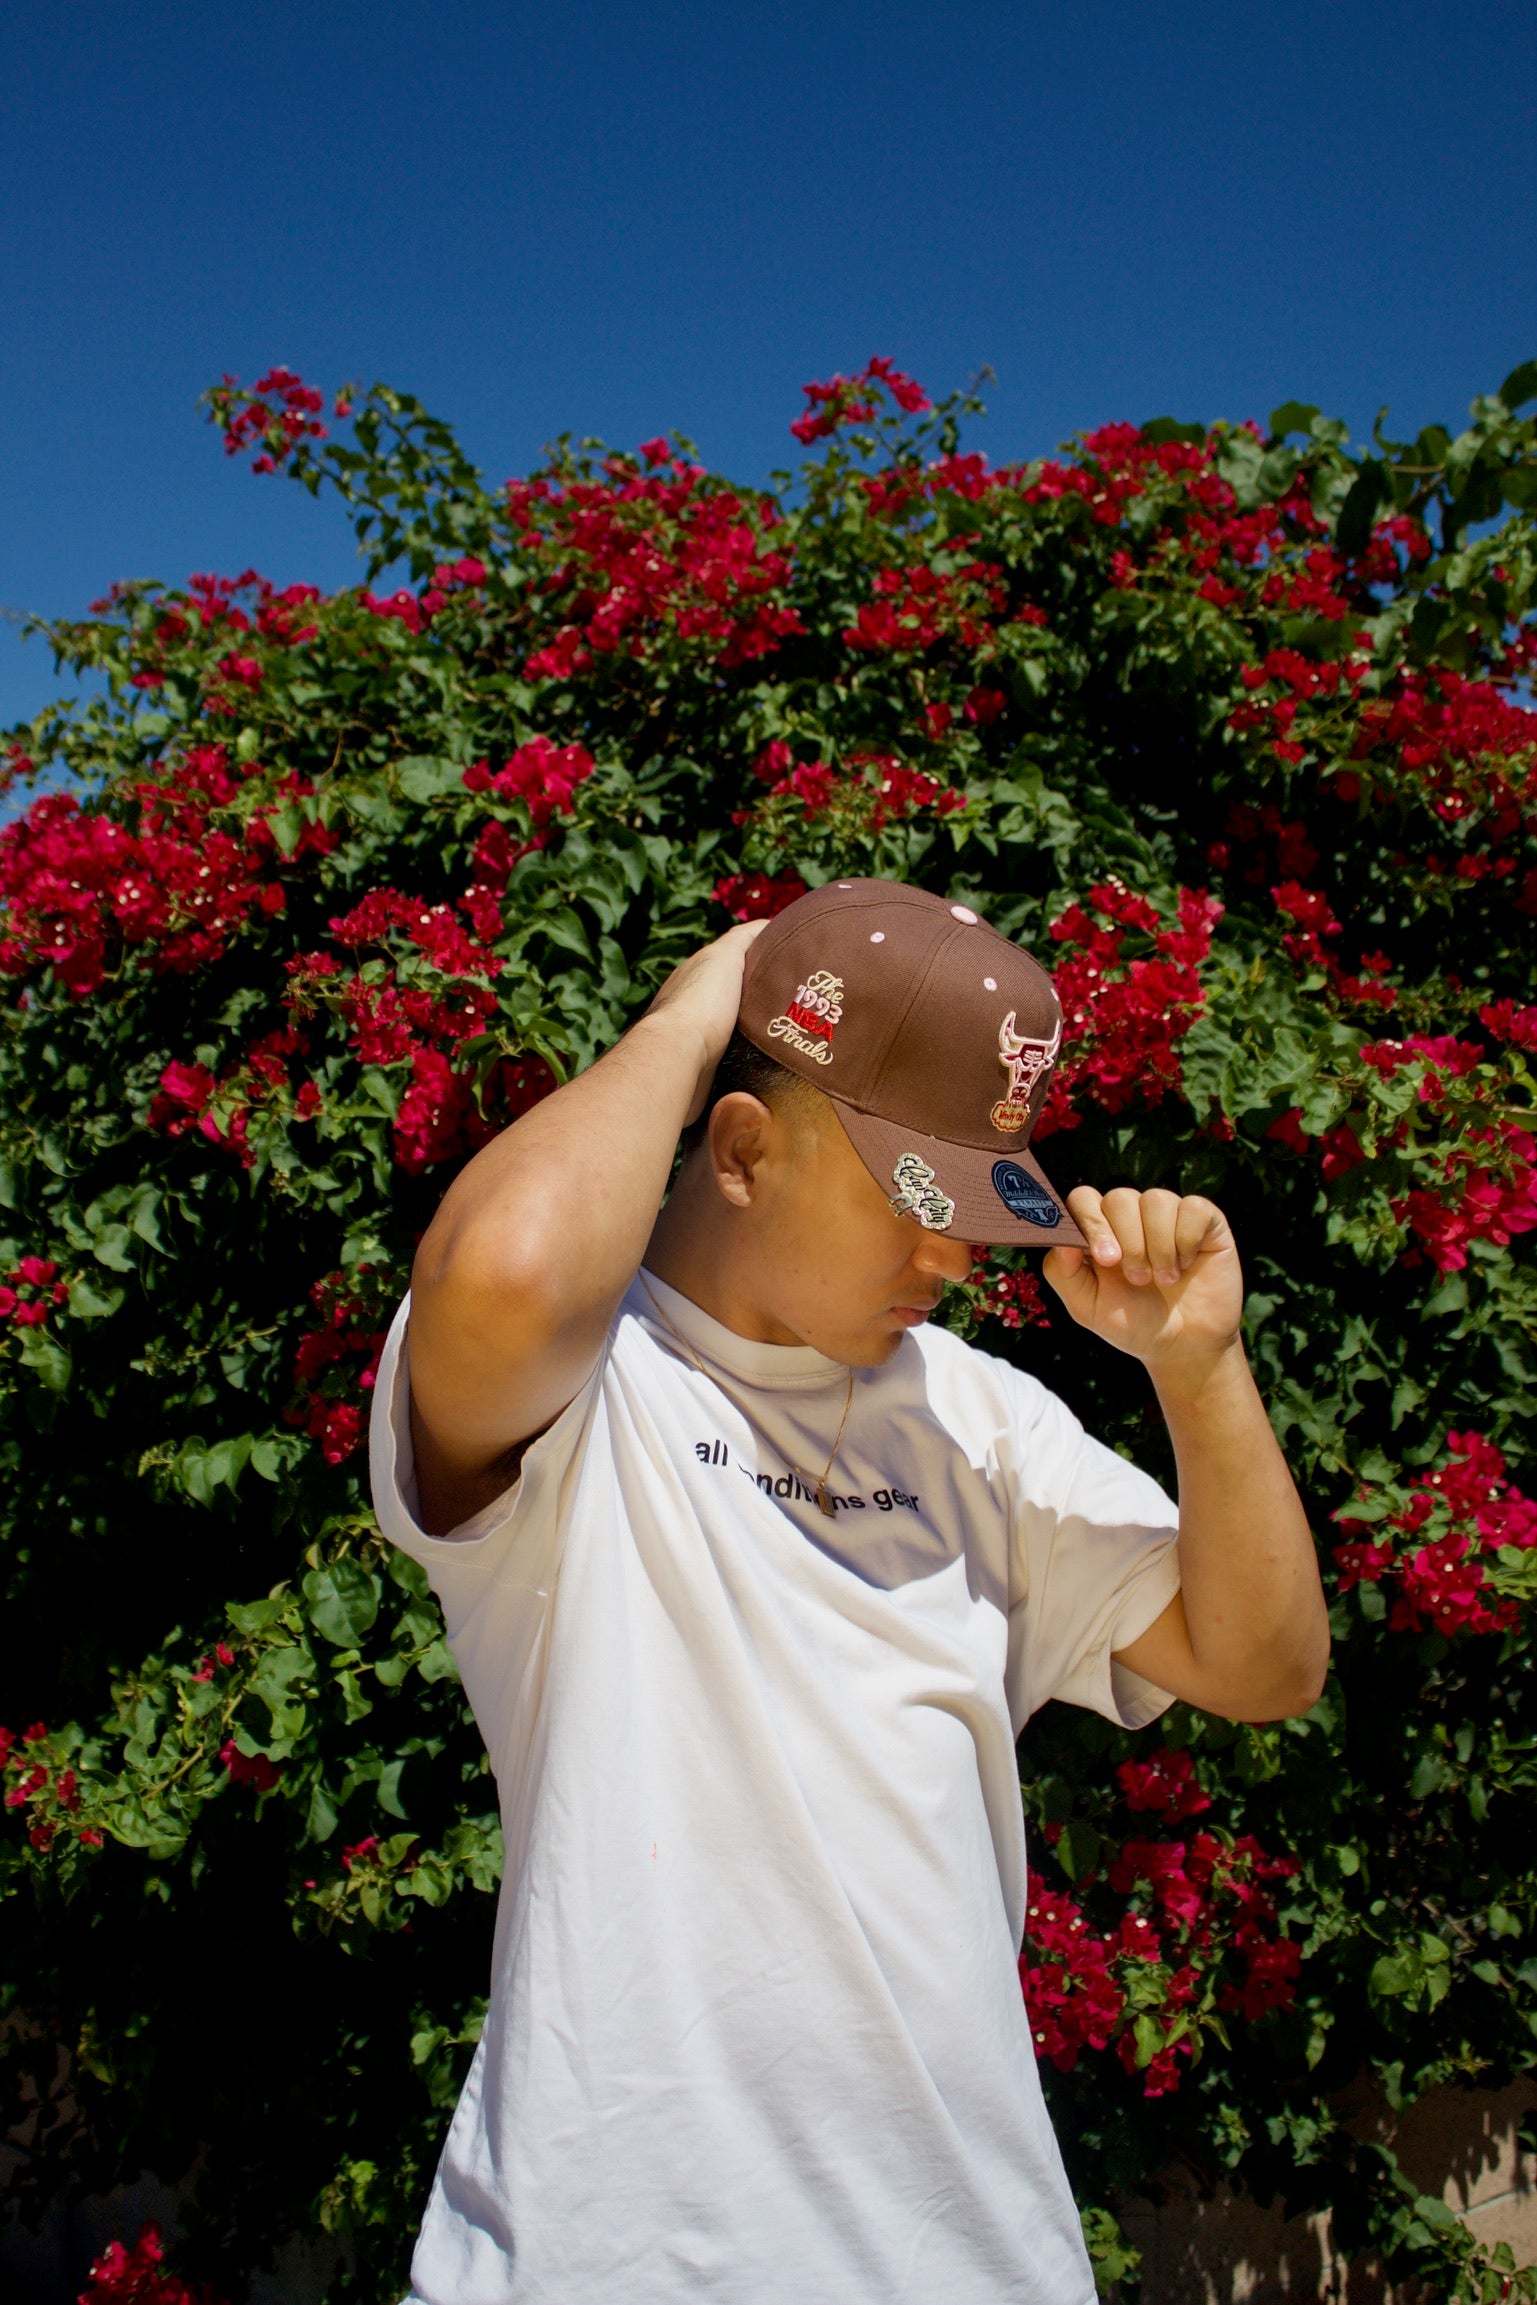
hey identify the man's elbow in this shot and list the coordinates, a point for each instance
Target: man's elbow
(1277, 1696)
(488, 1273)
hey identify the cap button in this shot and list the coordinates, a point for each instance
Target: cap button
(965, 913)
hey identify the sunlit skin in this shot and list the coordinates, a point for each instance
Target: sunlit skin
(776, 1228)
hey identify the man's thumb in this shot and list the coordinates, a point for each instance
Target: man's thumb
(1068, 1272)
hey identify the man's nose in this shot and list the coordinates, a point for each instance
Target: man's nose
(942, 1259)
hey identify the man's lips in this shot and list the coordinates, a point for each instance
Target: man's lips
(912, 1316)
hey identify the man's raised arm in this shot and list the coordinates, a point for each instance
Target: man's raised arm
(1247, 1634)
(536, 1240)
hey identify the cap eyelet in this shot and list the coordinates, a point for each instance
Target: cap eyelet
(989, 984)
(878, 936)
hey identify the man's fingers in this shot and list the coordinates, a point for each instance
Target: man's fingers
(1199, 1225)
(1152, 1236)
(1087, 1209)
(1160, 1218)
(1123, 1207)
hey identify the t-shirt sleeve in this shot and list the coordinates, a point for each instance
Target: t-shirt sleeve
(1095, 1562)
(459, 1562)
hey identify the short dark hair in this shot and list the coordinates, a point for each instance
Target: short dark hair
(745, 1070)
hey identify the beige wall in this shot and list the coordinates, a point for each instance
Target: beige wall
(1231, 2251)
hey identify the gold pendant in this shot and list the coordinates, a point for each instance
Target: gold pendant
(825, 1502)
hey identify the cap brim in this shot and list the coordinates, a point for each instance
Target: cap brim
(1002, 1199)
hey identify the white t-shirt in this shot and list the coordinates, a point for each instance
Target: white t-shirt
(755, 2033)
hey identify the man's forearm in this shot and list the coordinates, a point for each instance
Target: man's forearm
(565, 1199)
(1253, 1608)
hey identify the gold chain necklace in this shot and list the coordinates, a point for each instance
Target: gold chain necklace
(817, 1483)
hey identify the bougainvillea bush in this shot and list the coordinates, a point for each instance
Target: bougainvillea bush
(1230, 724)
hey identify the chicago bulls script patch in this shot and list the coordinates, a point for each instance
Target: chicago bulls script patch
(919, 1196)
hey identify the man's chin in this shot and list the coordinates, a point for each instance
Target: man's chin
(874, 1346)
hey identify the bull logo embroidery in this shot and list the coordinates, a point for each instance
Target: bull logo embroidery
(1026, 1062)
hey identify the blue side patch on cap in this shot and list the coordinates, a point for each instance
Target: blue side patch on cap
(1022, 1196)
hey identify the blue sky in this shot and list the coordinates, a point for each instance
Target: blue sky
(617, 219)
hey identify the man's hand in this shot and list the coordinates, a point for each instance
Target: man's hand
(1160, 1280)
(703, 994)
(1247, 1634)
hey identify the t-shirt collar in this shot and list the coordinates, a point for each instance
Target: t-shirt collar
(783, 1366)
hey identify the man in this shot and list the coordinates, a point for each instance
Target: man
(753, 1579)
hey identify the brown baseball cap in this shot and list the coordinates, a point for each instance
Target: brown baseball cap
(935, 1038)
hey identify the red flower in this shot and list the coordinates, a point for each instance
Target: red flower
(753, 896)
(853, 400)
(249, 1768)
(1458, 1512)
(1165, 1782)
(136, 2276)
(1123, 1016)
(636, 556)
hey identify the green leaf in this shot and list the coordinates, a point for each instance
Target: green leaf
(89, 1303)
(1148, 2036)
(46, 1357)
(424, 779)
(1370, 492)
(274, 1454)
(111, 1247)
(287, 823)
(1077, 1851)
(342, 1601)
(1395, 1975)
(320, 1817)
(1520, 385)
(1291, 416)
(254, 1616)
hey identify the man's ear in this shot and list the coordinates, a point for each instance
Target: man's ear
(735, 1142)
